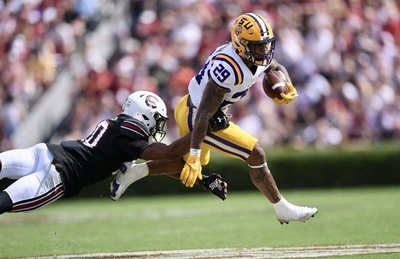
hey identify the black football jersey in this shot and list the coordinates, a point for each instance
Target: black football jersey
(87, 161)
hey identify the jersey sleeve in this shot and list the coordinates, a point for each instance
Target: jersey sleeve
(134, 148)
(134, 129)
(226, 71)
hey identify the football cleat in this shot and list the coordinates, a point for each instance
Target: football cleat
(214, 184)
(295, 213)
(116, 188)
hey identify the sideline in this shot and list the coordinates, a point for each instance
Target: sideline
(242, 253)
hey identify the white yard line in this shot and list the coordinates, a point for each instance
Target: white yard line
(261, 252)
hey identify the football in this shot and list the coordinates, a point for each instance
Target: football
(274, 84)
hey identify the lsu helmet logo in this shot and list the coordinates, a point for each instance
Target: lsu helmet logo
(238, 29)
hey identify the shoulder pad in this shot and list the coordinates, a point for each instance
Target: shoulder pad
(135, 129)
(226, 67)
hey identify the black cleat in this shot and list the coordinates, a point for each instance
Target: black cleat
(215, 185)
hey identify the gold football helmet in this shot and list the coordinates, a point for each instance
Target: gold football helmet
(253, 39)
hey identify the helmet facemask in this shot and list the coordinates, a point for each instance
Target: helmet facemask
(259, 58)
(158, 130)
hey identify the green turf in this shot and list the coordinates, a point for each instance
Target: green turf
(346, 216)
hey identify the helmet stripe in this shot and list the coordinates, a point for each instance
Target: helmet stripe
(260, 22)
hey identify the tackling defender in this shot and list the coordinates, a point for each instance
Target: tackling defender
(46, 172)
(225, 78)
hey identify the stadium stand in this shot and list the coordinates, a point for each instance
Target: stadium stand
(343, 57)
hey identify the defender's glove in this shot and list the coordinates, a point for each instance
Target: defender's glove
(290, 96)
(215, 185)
(192, 168)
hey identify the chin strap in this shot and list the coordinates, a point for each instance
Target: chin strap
(258, 166)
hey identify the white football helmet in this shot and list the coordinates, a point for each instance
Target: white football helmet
(150, 109)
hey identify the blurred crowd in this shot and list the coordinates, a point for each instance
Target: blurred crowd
(342, 55)
(37, 40)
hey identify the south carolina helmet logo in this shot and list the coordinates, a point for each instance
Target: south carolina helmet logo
(151, 101)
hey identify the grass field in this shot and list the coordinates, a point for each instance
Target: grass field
(346, 217)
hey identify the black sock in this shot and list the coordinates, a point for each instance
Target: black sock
(5, 202)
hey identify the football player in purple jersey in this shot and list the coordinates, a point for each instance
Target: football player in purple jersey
(225, 78)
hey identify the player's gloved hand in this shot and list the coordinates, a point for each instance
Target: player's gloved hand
(215, 185)
(287, 98)
(192, 168)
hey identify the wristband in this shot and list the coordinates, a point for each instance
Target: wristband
(195, 152)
